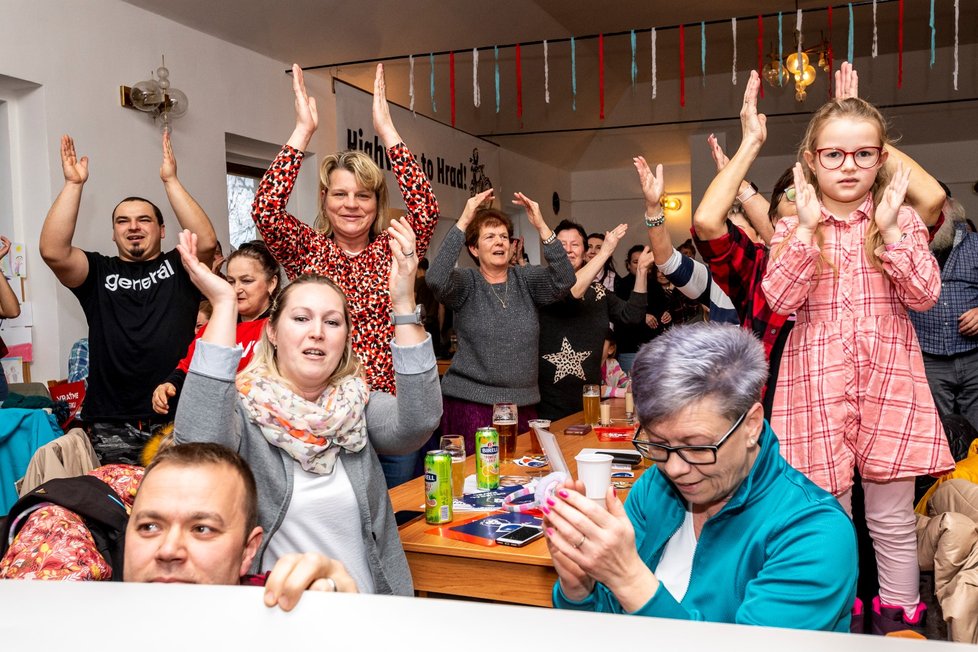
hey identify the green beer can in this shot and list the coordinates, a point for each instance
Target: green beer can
(487, 458)
(438, 487)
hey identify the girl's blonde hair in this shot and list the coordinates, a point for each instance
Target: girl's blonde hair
(851, 108)
(368, 176)
(265, 358)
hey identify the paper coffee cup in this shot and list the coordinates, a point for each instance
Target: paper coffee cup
(594, 470)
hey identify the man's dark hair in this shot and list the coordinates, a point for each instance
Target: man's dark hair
(156, 209)
(567, 225)
(203, 454)
(634, 249)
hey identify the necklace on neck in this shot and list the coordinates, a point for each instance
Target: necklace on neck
(502, 299)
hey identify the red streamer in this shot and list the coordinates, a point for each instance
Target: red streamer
(682, 66)
(900, 49)
(601, 76)
(451, 82)
(760, 50)
(519, 84)
(831, 55)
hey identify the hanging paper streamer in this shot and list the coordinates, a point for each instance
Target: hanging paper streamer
(851, 33)
(955, 76)
(476, 92)
(703, 51)
(411, 80)
(798, 32)
(519, 84)
(780, 50)
(451, 83)
(900, 45)
(634, 67)
(495, 53)
(933, 34)
(601, 76)
(546, 74)
(874, 29)
(653, 64)
(431, 62)
(733, 73)
(830, 55)
(760, 49)
(682, 66)
(573, 75)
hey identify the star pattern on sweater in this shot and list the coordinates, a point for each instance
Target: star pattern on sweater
(567, 361)
(599, 290)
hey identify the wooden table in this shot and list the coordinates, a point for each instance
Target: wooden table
(446, 567)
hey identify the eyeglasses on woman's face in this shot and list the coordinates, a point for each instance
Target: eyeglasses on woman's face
(695, 455)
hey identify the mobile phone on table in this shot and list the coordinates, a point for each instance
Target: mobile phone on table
(577, 429)
(521, 536)
(406, 516)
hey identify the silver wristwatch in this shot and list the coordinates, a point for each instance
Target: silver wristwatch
(416, 317)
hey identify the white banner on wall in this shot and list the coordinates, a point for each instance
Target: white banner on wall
(457, 164)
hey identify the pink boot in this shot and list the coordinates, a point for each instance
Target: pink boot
(887, 619)
(857, 625)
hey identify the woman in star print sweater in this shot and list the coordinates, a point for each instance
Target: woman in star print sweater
(349, 242)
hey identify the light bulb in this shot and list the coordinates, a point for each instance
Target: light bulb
(791, 63)
(146, 95)
(176, 103)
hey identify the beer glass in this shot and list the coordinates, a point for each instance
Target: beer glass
(592, 404)
(454, 445)
(504, 420)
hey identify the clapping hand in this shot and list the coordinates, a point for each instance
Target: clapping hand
(306, 115)
(214, 288)
(75, 169)
(652, 184)
(168, 169)
(404, 265)
(846, 82)
(807, 204)
(888, 210)
(383, 124)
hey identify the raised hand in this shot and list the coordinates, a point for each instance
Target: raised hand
(532, 210)
(645, 261)
(652, 184)
(306, 115)
(889, 207)
(612, 238)
(846, 82)
(75, 169)
(404, 265)
(472, 206)
(716, 152)
(806, 201)
(383, 124)
(4, 246)
(168, 169)
(214, 288)
(752, 124)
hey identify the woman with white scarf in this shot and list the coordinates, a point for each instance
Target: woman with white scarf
(302, 416)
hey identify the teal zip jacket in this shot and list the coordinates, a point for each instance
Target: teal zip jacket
(781, 552)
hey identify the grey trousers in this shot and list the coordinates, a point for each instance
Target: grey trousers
(953, 381)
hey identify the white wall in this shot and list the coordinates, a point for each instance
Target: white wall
(61, 65)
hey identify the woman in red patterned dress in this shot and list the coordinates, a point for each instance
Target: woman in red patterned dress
(349, 243)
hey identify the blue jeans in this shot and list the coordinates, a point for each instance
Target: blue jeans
(398, 469)
(626, 360)
(953, 381)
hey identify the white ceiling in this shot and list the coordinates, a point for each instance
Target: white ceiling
(330, 32)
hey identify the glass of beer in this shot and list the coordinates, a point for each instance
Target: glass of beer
(504, 420)
(592, 404)
(454, 445)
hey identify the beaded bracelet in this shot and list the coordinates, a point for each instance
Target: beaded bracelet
(655, 221)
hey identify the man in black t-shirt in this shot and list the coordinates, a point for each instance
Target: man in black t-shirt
(140, 305)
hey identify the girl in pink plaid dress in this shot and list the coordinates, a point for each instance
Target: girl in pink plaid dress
(853, 392)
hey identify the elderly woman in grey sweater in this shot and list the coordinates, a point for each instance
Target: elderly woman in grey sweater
(300, 415)
(495, 314)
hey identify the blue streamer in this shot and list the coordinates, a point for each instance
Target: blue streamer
(634, 66)
(495, 52)
(703, 50)
(573, 75)
(933, 34)
(431, 60)
(780, 50)
(851, 42)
